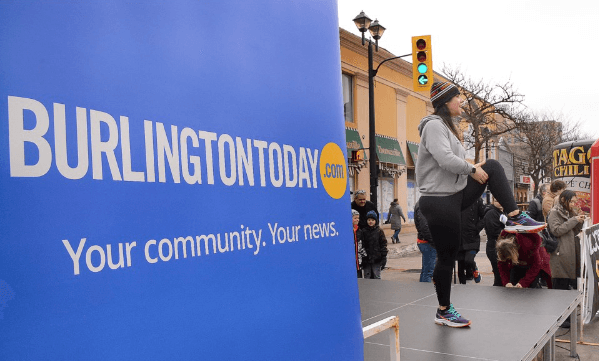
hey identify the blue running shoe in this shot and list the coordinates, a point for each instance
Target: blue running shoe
(522, 223)
(451, 318)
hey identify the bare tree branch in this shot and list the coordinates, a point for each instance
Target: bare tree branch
(490, 109)
(536, 139)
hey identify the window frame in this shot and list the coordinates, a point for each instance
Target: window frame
(351, 88)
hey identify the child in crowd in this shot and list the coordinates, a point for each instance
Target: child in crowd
(375, 244)
(359, 250)
(522, 261)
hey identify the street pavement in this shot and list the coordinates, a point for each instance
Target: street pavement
(404, 264)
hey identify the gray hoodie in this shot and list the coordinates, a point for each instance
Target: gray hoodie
(441, 169)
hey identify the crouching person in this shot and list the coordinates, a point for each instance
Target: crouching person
(522, 261)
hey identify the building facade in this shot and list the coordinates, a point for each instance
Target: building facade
(398, 110)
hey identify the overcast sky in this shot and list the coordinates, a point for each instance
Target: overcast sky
(547, 49)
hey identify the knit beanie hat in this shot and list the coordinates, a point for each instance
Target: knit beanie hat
(442, 92)
(354, 213)
(372, 214)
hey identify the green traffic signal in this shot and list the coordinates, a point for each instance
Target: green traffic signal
(422, 63)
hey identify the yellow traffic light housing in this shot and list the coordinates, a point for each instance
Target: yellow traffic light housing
(422, 63)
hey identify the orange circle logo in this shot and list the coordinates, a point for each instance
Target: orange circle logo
(333, 170)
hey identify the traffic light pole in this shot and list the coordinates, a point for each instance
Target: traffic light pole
(374, 174)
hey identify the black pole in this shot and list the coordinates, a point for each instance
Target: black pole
(486, 158)
(371, 131)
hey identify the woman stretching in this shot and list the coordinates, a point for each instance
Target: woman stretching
(522, 261)
(448, 184)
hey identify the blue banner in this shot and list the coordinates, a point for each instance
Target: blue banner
(173, 182)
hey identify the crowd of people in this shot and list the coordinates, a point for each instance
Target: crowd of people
(519, 258)
(450, 215)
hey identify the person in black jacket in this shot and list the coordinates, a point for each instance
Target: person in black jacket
(363, 206)
(493, 228)
(375, 244)
(535, 207)
(425, 245)
(472, 224)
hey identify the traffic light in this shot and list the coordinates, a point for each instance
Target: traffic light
(422, 63)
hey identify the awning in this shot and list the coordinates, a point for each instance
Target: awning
(413, 150)
(388, 150)
(352, 138)
(354, 143)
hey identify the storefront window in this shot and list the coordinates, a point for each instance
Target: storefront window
(348, 98)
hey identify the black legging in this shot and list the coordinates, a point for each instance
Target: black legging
(443, 215)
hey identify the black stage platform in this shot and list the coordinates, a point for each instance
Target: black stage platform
(507, 323)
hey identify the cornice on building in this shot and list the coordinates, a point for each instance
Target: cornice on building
(362, 77)
(401, 93)
(354, 43)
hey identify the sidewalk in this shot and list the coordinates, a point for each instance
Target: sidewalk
(407, 239)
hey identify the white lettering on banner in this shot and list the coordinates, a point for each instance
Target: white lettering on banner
(18, 135)
(128, 174)
(189, 247)
(165, 150)
(60, 139)
(182, 150)
(76, 255)
(290, 181)
(193, 159)
(276, 181)
(222, 140)
(107, 147)
(149, 143)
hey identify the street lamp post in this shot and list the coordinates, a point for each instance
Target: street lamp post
(364, 23)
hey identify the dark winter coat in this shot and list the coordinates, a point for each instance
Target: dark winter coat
(531, 255)
(369, 206)
(472, 224)
(395, 213)
(374, 243)
(535, 209)
(424, 233)
(565, 261)
(493, 226)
